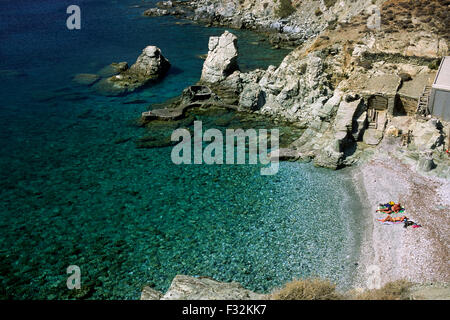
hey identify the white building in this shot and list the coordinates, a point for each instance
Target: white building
(439, 103)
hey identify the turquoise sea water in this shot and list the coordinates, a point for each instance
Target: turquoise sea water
(76, 190)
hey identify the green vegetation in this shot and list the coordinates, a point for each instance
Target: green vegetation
(434, 65)
(285, 9)
(399, 58)
(332, 24)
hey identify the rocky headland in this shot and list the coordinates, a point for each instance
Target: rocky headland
(352, 84)
(348, 87)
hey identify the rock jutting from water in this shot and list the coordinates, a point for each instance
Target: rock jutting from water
(150, 66)
(222, 58)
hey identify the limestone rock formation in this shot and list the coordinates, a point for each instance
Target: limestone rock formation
(426, 162)
(201, 288)
(427, 136)
(289, 21)
(150, 294)
(252, 97)
(342, 134)
(222, 58)
(151, 65)
(156, 12)
(344, 84)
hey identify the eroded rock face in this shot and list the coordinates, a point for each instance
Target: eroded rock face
(294, 90)
(252, 97)
(151, 65)
(150, 294)
(156, 12)
(222, 58)
(310, 87)
(202, 288)
(290, 21)
(427, 136)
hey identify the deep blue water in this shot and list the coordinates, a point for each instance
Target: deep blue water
(76, 190)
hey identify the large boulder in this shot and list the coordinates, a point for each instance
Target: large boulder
(201, 288)
(427, 135)
(222, 58)
(151, 65)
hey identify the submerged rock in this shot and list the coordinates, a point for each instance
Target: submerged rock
(426, 162)
(86, 79)
(113, 69)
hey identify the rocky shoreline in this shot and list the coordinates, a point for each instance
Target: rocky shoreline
(343, 123)
(354, 90)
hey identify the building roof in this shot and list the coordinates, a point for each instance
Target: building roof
(442, 80)
(414, 88)
(386, 84)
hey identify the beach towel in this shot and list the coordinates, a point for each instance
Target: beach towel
(389, 223)
(402, 210)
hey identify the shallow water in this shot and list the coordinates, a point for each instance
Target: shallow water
(76, 190)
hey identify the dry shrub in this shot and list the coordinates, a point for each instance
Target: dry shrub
(329, 3)
(285, 9)
(396, 290)
(308, 289)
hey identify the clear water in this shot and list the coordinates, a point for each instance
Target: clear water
(76, 190)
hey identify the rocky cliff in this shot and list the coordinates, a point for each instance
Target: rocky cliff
(360, 67)
(287, 21)
(332, 83)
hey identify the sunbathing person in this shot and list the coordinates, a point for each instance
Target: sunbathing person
(396, 219)
(394, 209)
